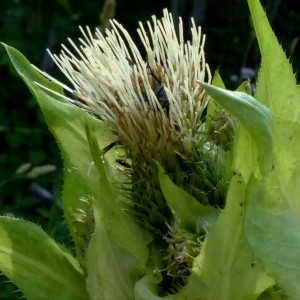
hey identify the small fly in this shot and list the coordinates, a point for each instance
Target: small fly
(121, 161)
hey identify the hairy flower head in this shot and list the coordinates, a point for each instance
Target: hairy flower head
(152, 102)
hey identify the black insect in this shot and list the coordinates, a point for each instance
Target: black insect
(162, 96)
(123, 163)
(160, 92)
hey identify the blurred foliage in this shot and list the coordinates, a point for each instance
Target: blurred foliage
(31, 26)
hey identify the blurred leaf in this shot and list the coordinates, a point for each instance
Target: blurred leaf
(66, 5)
(40, 170)
(23, 168)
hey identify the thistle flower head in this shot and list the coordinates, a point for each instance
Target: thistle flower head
(155, 107)
(152, 102)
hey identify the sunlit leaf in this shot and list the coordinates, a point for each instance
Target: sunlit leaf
(37, 265)
(225, 268)
(117, 252)
(145, 290)
(254, 116)
(272, 212)
(192, 215)
(276, 85)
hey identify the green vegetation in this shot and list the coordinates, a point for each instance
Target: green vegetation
(108, 254)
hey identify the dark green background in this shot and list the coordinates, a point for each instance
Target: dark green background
(32, 26)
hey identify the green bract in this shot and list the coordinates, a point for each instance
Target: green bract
(249, 248)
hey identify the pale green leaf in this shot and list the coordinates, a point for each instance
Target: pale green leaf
(117, 252)
(245, 87)
(111, 202)
(193, 216)
(225, 268)
(117, 245)
(255, 117)
(213, 108)
(67, 123)
(37, 265)
(112, 270)
(145, 290)
(217, 80)
(273, 212)
(276, 86)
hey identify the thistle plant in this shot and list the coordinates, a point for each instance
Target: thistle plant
(175, 188)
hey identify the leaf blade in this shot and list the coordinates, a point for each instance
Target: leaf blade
(255, 117)
(28, 255)
(117, 252)
(225, 259)
(193, 215)
(276, 86)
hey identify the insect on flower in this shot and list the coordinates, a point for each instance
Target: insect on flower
(128, 92)
(120, 161)
(160, 92)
